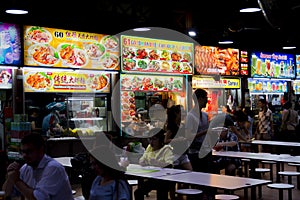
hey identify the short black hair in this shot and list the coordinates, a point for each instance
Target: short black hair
(263, 101)
(200, 93)
(34, 138)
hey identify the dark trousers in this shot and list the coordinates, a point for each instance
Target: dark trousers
(162, 188)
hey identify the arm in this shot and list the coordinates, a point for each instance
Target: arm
(238, 134)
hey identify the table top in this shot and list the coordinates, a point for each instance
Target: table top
(214, 180)
(151, 171)
(278, 143)
(65, 161)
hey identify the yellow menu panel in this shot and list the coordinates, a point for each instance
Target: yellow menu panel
(37, 81)
(52, 47)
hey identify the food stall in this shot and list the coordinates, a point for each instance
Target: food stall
(77, 69)
(10, 60)
(218, 70)
(154, 77)
(296, 82)
(271, 75)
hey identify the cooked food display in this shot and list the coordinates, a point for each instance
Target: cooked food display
(165, 55)
(141, 54)
(128, 52)
(98, 82)
(187, 57)
(37, 34)
(95, 51)
(154, 65)
(109, 61)
(142, 64)
(176, 56)
(153, 55)
(44, 54)
(110, 42)
(158, 83)
(72, 55)
(165, 66)
(38, 81)
(176, 66)
(129, 64)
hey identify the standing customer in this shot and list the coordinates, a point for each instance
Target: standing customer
(289, 122)
(110, 182)
(196, 128)
(41, 177)
(264, 128)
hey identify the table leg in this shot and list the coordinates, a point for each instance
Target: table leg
(280, 194)
(246, 193)
(253, 193)
(277, 171)
(298, 179)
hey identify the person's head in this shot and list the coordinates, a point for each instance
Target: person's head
(287, 105)
(174, 115)
(201, 98)
(241, 118)
(262, 103)
(223, 133)
(157, 137)
(104, 162)
(33, 149)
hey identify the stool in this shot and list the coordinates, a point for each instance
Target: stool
(297, 165)
(226, 196)
(289, 174)
(245, 163)
(281, 187)
(79, 198)
(189, 193)
(271, 163)
(131, 184)
(261, 171)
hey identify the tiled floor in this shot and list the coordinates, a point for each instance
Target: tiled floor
(267, 194)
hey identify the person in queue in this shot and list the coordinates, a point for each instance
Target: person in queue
(41, 177)
(242, 126)
(110, 182)
(175, 136)
(228, 141)
(289, 123)
(264, 129)
(196, 127)
(156, 154)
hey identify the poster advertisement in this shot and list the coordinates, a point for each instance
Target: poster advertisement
(52, 47)
(298, 66)
(244, 60)
(214, 60)
(146, 55)
(5, 78)
(210, 82)
(267, 86)
(87, 82)
(10, 44)
(272, 65)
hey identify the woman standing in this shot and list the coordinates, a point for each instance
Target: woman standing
(289, 122)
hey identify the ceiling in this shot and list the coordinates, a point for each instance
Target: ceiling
(211, 19)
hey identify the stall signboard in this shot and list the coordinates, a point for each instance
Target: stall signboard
(147, 55)
(10, 44)
(267, 86)
(217, 61)
(296, 87)
(244, 66)
(210, 82)
(5, 78)
(272, 65)
(52, 47)
(298, 66)
(87, 82)
(134, 82)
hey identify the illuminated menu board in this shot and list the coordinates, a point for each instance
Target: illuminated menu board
(209, 82)
(10, 44)
(267, 86)
(244, 71)
(93, 82)
(297, 66)
(296, 87)
(72, 49)
(272, 65)
(147, 55)
(214, 60)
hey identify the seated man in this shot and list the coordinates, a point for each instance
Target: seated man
(228, 141)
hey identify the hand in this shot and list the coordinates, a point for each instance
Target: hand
(13, 167)
(13, 176)
(218, 147)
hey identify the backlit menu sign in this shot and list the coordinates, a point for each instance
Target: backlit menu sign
(72, 49)
(296, 86)
(272, 65)
(209, 82)
(10, 44)
(244, 71)
(214, 60)
(93, 82)
(147, 55)
(267, 86)
(297, 66)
